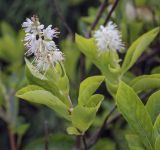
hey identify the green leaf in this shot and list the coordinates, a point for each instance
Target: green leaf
(153, 105)
(34, 77)
(137, 48)
(104, 144)
(73, 131)
(21, 130)
(71, 58)
(157, 143)
(156, 127)
(134, 142)
(86, 46)
(36, 94)
(83, 117)
(135, 113)
(145, 82)
(95, 100)
(88, 87)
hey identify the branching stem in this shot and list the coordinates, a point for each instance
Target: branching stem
(98, 16)
(111, 11)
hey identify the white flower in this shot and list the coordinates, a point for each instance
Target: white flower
(27, 25)
(32, 25)
(39, 42)
(49, 45)
(57, 56)
(50, 33)
(108, 38)
(48, 59)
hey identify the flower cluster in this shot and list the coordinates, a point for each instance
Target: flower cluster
(108, 38)
(39, 42)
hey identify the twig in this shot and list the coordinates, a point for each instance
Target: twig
(98, 16)
(111, 11)
(58, 10)
(84, 142)
(78, 142)
(100, 131)
(46, 134)
(12, 139)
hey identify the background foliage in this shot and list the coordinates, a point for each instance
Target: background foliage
(27, 122)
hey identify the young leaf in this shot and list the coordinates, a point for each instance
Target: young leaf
(88, 87)
(153, 106)
(73, 131)
(135, 113)
(95, 100)
(138, 47)
(145, 82)
(87, 46)
(36, 94)
(36, 78)
(83, 117)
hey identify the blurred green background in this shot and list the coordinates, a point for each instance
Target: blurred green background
(25, 122)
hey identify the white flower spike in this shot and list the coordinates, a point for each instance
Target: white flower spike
(108, 38)
(39, 42)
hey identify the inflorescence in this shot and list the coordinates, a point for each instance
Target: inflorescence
(39, 42)
(108, 38)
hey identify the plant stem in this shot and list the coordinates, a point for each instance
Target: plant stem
(111, 11)
(96, 137)
(78, 142)
(98, 16)
(84, 142)
(46, 134)
(12, 139)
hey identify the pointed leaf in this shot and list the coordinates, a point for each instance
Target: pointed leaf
(137, 48)
(153, 106)
(95, 100)
(145, 82)
(88, 87)
(83, 117)
(36, 94)
(135, 113)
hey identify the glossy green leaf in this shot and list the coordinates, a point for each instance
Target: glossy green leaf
(153, 105)
(36, 94)
(137, 48)
(88, 87)
(135, 113)
(145, 82)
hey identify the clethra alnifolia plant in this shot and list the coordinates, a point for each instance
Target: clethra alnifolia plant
(48, 83)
